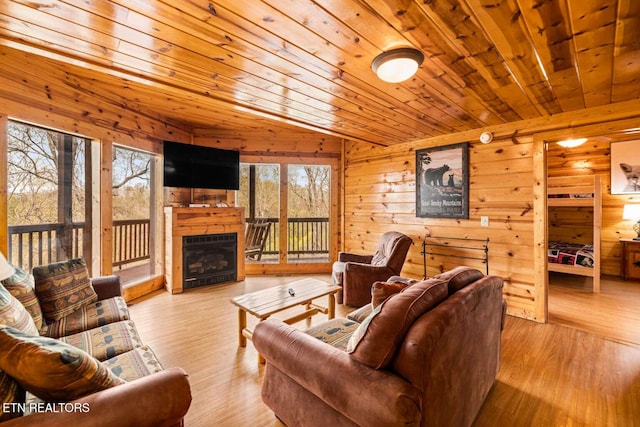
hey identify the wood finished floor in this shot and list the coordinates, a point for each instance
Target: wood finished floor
(613, 313)
(551, 375)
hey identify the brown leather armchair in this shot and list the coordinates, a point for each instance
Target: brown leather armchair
(356, 273)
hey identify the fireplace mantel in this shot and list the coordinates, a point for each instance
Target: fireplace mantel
(180, 222)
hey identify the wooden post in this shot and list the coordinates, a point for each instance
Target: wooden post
(541, 276)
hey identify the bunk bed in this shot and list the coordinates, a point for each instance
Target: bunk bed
(572, 257)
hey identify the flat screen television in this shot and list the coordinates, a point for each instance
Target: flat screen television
(196, 166)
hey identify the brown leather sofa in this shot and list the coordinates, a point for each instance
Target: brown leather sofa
(435, 370)
(158, 400)
(356, 272)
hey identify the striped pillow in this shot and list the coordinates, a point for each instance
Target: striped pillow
(22, 286)
(12, 313)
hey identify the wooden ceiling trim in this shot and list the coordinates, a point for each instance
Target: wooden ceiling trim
(359, 99)
(593, 25)
(142, 61)
(110, 93)
(406, 17)
(626, 77)
(57, 107)
(518, 52)
(549, 27)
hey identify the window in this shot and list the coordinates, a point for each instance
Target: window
(47, 197)
(132, 202)
(307, 197)
(259, 194)
(308, 213)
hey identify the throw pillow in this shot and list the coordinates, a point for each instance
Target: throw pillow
(459, 277)
(360, 314)
(22, 286)
(12, 313)
(63, 287)
(50, 369)
(380, 291)
(377, 339)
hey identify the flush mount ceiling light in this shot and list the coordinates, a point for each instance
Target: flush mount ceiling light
(397, 65)
(571, 143)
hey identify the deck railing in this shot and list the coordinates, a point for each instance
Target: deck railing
(40, 244)
(130, 241)
(307, 237)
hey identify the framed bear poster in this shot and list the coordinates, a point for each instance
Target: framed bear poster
(442, 182)
(625, 167)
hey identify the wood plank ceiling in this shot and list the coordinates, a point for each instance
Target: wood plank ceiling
(234, 64)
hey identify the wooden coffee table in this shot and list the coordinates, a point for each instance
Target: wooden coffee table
(266, 302)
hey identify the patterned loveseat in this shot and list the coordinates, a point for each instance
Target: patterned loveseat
(70, 355)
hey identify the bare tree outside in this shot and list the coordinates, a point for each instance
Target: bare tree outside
(47, 194)
(308, 211)
(308, 207)
(267, 190)
(32, 175)
(309, 187)
(131, 184)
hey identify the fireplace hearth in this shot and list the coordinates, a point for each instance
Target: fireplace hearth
(209, 259)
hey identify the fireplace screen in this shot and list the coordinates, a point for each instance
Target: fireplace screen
(209, 259)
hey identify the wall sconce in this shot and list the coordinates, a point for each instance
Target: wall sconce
(6, 269)
(397, 65)
(633, 212)
(571, 143)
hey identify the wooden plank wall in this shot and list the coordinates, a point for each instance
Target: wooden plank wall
(507, 182)
(593, 157)
(278, 141)
(379, 195)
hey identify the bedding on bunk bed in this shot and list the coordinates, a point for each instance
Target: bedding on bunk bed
(568, 253)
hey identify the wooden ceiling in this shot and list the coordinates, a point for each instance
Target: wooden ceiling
(234, 64)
